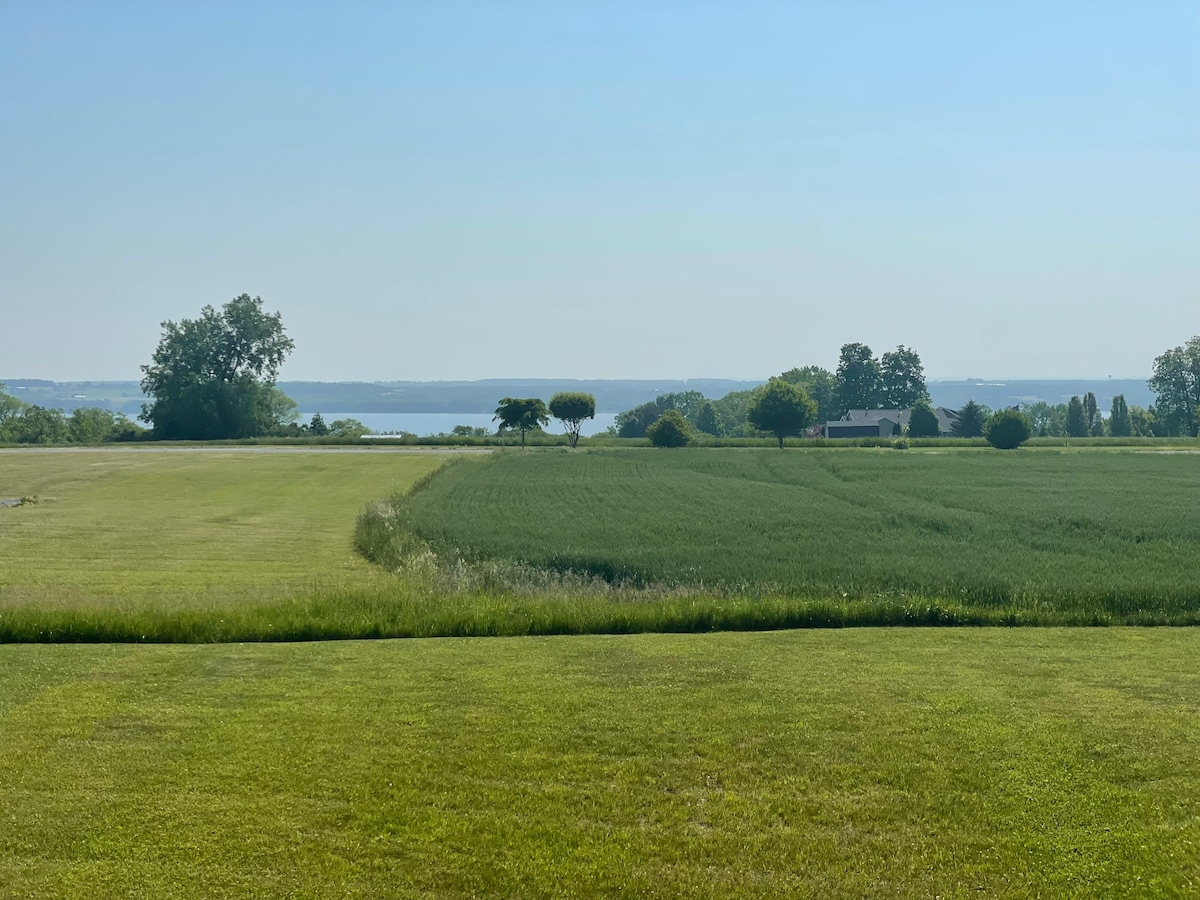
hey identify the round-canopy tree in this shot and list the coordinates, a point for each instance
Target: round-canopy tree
(781, 408)
(572, 408)
(671, 429)
(521, 414)
(214, 377)
(902, 378)
(859, 378)
(1007, 429)
(1176, 381)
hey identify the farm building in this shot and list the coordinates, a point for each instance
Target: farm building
(882, 422)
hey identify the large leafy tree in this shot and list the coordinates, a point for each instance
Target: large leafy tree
(1176, 381)
(902, 378)
(1046, 420)
(214, 377)
(821, 385)
(781, 408)
(858, 378)
(572, 408)
(521, 415)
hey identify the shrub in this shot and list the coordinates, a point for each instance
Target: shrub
(670, 429)
(923, 421)
(1007, 429)
(900, 444)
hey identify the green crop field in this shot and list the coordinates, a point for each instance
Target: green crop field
(864, 762)
(1089, 533)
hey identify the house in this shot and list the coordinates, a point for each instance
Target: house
(858, 423)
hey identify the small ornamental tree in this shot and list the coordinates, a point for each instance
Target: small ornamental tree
(671, 429)
(923, 421)
(521, 415)
(970, 421)
(1007, 429)
(572, 408)
(781, 408)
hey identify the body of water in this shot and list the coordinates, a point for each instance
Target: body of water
(441, 423)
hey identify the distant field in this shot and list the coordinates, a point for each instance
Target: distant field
(1110, 532)
(137, 527)
(858, 763)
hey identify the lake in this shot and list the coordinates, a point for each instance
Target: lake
(441, 423)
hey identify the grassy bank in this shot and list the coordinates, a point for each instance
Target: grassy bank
(855, 763)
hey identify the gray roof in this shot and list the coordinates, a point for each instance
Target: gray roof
(945, 417)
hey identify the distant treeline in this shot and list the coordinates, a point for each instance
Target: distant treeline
(611, 395)
(29, 423)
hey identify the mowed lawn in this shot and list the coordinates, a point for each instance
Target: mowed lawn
(138, 526)
(863, 762)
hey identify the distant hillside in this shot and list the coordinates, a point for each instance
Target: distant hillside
(386, 397)
(996, 394)
(482, 396)
(612, 396)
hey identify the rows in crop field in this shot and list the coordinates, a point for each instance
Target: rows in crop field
(1113, 530)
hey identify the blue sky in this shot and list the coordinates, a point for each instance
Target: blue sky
(604, 190)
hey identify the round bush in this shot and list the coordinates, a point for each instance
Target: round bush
(1007, 429)
(671, 429)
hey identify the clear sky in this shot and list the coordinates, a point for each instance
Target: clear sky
(654, 189)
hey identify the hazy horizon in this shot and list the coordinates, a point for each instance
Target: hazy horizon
(461, 190)
(572, 378)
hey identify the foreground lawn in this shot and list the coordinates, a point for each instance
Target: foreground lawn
(851, 763)
(128, 529)
(1103, 531)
